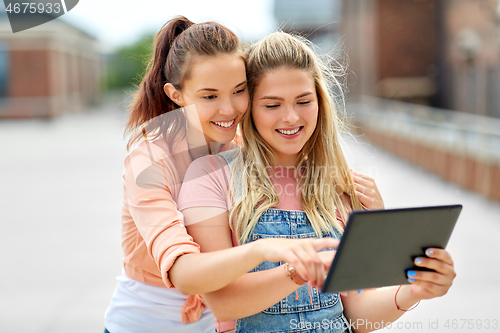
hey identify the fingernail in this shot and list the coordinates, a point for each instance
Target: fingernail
(429, 252)
(418, 261)
(411, 280)
(411, 273)
(359, 291)
(343, 294)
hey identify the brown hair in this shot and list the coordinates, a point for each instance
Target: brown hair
(174, 47)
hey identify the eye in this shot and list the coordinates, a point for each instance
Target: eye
(271, 106)
(304, 102)
(209, 97)
(240, 91)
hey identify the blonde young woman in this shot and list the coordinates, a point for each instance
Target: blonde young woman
(290, 180)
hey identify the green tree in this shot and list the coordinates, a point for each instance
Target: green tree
(127, 65)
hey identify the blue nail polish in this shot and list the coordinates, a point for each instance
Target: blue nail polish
(411, 280)
(359, 291)
(418, 261)
(411, 273)
(429, 252)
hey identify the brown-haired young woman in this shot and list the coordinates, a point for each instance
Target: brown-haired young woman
(188, 104)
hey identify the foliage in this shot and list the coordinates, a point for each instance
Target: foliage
(127, 65)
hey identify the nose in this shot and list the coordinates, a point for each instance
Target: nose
(290, 115)
(226, 107)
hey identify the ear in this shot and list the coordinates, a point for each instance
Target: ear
(173, 94)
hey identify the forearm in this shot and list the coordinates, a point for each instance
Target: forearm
(199, 273)
(376, 308)
(250, 294)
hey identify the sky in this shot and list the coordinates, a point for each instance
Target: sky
(118, 22)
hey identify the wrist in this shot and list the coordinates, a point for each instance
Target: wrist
(258, 250)
(292, 274)
(404, 298)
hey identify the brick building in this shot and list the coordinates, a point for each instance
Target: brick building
(48, 70)
(444, 53)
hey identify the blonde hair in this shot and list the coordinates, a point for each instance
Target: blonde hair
(323, 178)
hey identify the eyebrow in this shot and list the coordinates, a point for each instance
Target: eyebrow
(281, 98)
(212, 89)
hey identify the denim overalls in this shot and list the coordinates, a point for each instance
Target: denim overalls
(295, 313)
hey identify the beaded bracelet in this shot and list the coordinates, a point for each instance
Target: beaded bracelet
(292, 274)
(397, 306)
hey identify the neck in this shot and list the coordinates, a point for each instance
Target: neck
(286, 162)
(197, 145)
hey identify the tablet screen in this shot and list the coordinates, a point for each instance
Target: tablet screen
(379, 246)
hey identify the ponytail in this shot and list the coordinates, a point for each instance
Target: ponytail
(150, 101)
(176, 41)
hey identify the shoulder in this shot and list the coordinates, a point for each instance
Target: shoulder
(150, 162)
(210, 166)
(234, 159)
(149, 151)
(231, 153)
(142, 156)
(205, 184)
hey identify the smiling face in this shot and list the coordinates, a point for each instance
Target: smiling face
(216, 85)
(285, 112)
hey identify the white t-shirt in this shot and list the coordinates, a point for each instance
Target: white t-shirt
(137, 307)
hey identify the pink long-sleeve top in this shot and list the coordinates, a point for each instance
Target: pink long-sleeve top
(153, 229)
(153, 232)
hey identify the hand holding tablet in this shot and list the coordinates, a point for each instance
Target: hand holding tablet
(379, 248)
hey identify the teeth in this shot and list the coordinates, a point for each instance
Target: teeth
(224, 124)
(289, 132)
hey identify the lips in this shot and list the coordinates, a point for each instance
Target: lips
(289, 131)
(224, 124)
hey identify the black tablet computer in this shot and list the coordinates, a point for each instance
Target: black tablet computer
(379, 246)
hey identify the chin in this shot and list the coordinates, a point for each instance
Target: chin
(228, 138)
